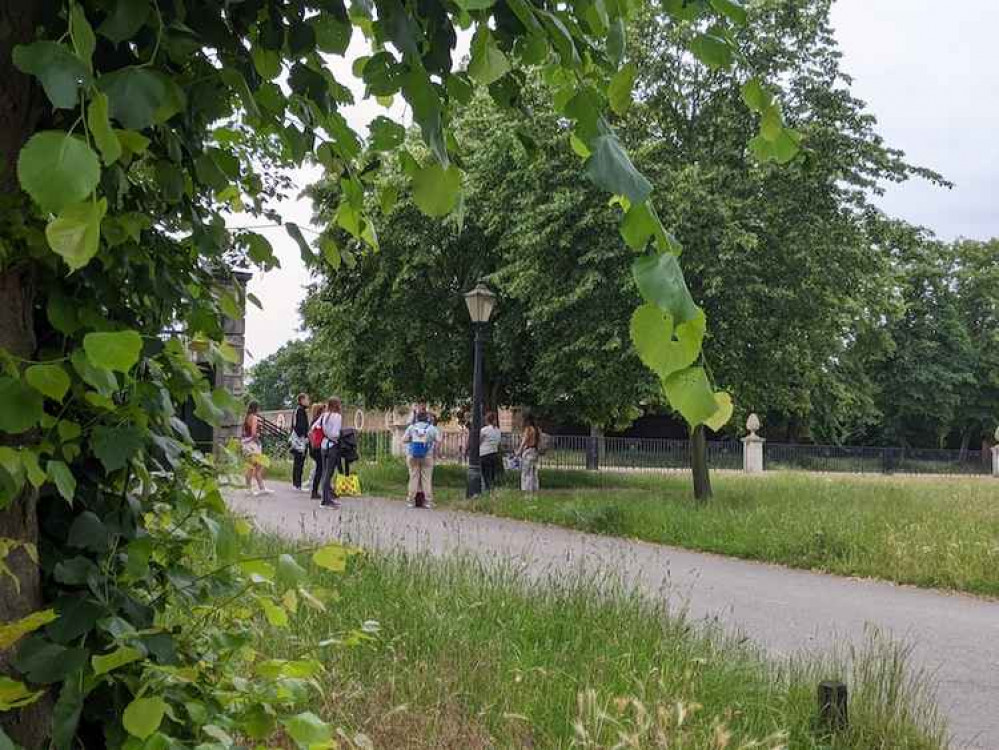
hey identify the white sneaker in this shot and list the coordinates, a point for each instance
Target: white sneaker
(266, 491)
(253, 492)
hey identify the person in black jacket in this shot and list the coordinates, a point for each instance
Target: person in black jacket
(299, 440)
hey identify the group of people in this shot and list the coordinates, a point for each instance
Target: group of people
(322, 436)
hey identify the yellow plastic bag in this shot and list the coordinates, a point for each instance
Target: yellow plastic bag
(348, 486)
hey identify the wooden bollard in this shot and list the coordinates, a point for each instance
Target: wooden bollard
(832, 706)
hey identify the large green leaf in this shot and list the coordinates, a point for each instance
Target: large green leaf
(125, 20)
(116, 350)
(66, 714)
(661, 347)
(610, 168)
(48, 379)
(724, 413)
(75, 234)
(422, 96)
(235, 81)
(21, 407)
(640, 224)
(82, 34)
(60, 71)
(121, 656)
(61, 476)
(143, 716)
(436, 190)
(115, 446)
(99, 378)
(266, 62)
(385, 134)
(308, 256)
(89, 532)
(755, 96)
(661, 282)
(619, 90)
(712, 50)
(332, 36)
(15, 695)
(135, 96)
(308, 730)
(689, 392)
(56, 169)
(488, 63)
(12, 632)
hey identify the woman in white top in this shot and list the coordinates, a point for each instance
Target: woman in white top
(489, 447)
(331, 424)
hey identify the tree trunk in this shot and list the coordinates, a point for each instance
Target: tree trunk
(699, 463)
(21, 106)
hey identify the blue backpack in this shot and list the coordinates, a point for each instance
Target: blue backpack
(419, 440)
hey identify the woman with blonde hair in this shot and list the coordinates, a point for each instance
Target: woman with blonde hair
(253, 450)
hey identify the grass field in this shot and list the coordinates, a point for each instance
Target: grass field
(474, 658)
(925, 531)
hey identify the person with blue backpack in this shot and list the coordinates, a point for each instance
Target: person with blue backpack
(419, 440)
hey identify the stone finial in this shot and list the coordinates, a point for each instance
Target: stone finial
(753, 424)
(997, 434)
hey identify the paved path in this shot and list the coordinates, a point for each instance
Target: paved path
(787, 611)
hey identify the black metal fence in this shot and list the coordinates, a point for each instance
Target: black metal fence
(583, 452)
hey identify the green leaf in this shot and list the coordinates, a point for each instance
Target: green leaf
(266, 62)
(661, 282)
(135, 95)
(385, 134)
(75, 234)
(762, 149)
(616, 41)
(117, 658)
(711, 50)
(724, 413)
(100, 128)
(49, 380)
(640, 224)
(117, 350)
(330, 251)
(12, 632)
(143, 716)
(56, 169)
(755, 96)
(126, 19)
(60, 71)
(274, 613)
(206, 410)
(771, 123)
(61, 312)
(619, 90)
(259, 249)
(436, 190)
(308, 730)
(732, 10)
(488, 63)
(115, 446)
(82, 33)
(289, 572)
(470, 5)
(21, 407)
(331, 557)
(132, 143)
(689, 392)
(62, 478)
(14, 694)
(786, 146)
(29, 459)
(68, 430)
(610, 169)
(96, 377)
(66, 714)
(332, 36)
(304, 248)
(387, 198)
(663, 349)
(88, 532)
(43, 662)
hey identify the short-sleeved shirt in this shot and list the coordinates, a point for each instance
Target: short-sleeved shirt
(331, 422)
(489, 440)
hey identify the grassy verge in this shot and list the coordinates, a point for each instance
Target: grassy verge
(474, 658)
(931, 532)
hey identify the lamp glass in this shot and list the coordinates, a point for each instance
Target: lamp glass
(480, 302)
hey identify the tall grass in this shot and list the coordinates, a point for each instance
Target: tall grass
(931, 532)
(475, 656)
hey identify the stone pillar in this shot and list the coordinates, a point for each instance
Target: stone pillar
(230, 375)
(995, 460)
(400, 421)
(752, 447)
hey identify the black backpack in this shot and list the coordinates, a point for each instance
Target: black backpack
(348, 444)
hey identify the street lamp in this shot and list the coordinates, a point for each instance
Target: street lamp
(480, 302)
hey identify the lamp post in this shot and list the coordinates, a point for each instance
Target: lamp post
(480, 302)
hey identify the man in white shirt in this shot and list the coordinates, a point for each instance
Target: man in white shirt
(332, 421)
(489, 447)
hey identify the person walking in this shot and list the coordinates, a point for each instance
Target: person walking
(316, 447)
(489, 447)
(331, 423)
(299, 439)
(530, 454)
(420, 438)
(253, 450)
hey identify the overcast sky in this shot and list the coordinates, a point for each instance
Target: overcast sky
(927, 74)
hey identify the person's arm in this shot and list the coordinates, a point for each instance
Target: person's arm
(255, 427)
(407, 436)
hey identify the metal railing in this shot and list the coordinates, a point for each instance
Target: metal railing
(662, 455)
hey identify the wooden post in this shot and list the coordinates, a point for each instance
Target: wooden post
(832, 706)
